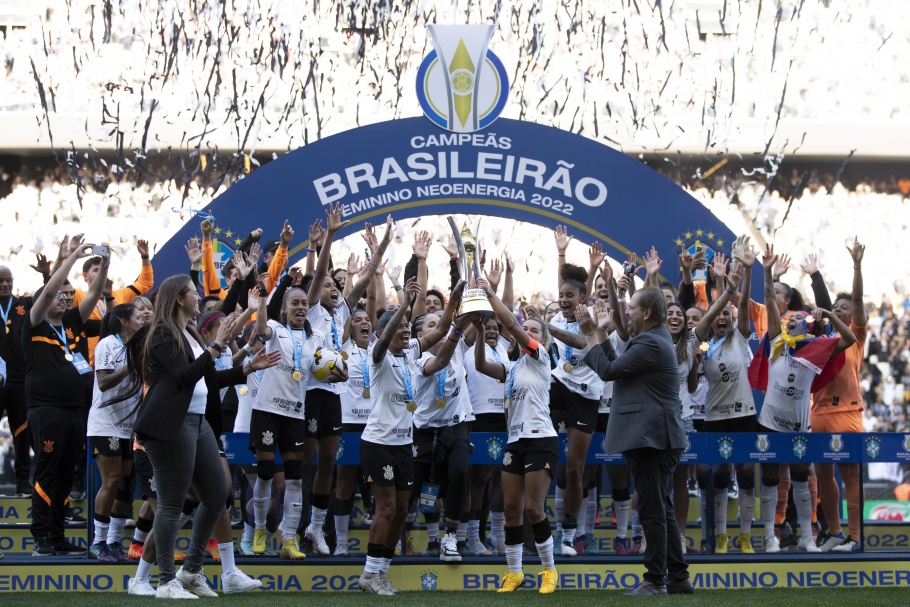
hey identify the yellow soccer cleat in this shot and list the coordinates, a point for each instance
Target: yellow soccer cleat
(179, 556)
(548, 579)
(511, 581)
(745, 543)
(722, 544)
(290, 551)
(259, 539)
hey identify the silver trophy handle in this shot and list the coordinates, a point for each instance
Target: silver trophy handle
(462, 257)
(477, 254)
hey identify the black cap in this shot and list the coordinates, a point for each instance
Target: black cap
(271, 245)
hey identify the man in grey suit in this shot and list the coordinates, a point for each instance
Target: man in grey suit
(645, 426)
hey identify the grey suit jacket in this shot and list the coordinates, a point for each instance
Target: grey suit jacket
(645, 409)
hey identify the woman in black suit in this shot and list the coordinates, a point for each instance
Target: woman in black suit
(171, 425)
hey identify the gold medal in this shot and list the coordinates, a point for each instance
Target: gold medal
(297, 375)
(567, 367)
(412, 406)
(6, 328)
(440, 403)
(243, 390)
(704, 347)
(344, 355)
(365, 393)
(508, 403)
(68, 357)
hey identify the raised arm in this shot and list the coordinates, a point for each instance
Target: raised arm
(421, 250)
(438, 332)
(768, 260)
(653, 263)
(856, 296)
(262, 319)
(847, 338)
(595, 258)
(75, 250)
(377, 254)
(442, 358)
(317, 235)
(87, 305)
(210, 283)
(385, 338)
(561, 234)
(508, 289)
(491, 369)
(333, 224)
(703, 328)
(747, 259)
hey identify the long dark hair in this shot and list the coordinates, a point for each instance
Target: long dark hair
(114, 321)
(682, 344)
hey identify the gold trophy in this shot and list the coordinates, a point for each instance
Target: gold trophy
(473, 300)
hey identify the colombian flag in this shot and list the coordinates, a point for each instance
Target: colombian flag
(813, 352)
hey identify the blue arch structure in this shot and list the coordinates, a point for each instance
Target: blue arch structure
(515, 169)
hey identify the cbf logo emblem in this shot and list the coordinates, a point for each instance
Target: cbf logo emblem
(762, 443)
(725, 447)
(428, 581)
(462, 86)
(494, 448)
(836, 443)
(800, 447)
(906, 443)
(874, 447)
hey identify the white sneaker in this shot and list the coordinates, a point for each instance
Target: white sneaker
(195, 583)
(173, 590)
(238, 581)
(387, 583)
(448, 549)
(832, 541)
(644, 545)
(139, 586)
(807, 544)
(567, 549)
(341, 549)
(374, 585)
(317, 537)
(772, 544)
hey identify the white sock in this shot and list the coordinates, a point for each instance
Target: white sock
(115, 530)
(513, 557)
(226, 550)
(247, 532)
(803, 500)
(559, 502)
(545, 551)
(317, 517)
(433, 532)
(768, 507)
(384, 564)
(101, 532)
(746, 510)
(373, 566)
(342, 523)
(262, 497)
(139, 535)
(144, 568)
(462, 532)
(293, 496)
(473, 531)
(591, 511)
(720, 511)
(497, 525)
(622, 517)
(568, 536)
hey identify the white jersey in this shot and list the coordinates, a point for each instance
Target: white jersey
(786, 406)
(224, 361)
(528, 391)
(245, 401)
(279, 393)
(390, 422)
(582, 379)
(331, 327)
(606, 399)
(727, 368)
(114, 420)
(355, 407)
(699, 398)
(688, 409)
(449, 385)
(486, 393)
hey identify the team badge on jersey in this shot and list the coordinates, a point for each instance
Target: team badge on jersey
(311, 426)
(267, 438)
(388, 473)
(114, 443)
(414, 451)
(507, 459)
(48, 446)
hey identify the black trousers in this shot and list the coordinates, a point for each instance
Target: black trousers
(652, 470)
(58, 434)
(12, 400)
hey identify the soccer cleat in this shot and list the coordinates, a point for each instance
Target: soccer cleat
(548, 579)
(173, 590)
(246, 548)
(788, 541)
(511, 582)
(238, 581)
(643, 546)
(807, 544)
(374, 584)
(637, 541)
(290, 551)
(479, 548)
(621, 545)
(195, 583)
(317, 538)
(119, 554)
(135, 551)
(448, 549)
(772, 544)
(387, 583)
(102, 553)
(848, 546)
(43, 547)
(567, 549)
(745, 543)
(212, 550)
(409, 548)
(179, 556)
(66, 548)
(828, 542)
(259, 540)
(432, 548)
(497, 545)
(722, 545)
(591, 548)
(341, 549)
(581, 544)
(139, 586)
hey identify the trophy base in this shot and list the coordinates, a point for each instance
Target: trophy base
(475, 301)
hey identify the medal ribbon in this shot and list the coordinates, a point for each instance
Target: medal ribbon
(364, 369)
(441, 383)
(61, 335)
(298, 346)
(715, 344)
(568, 347)
(511, 381)
(5, 313)
(335, 333)
(406, 378)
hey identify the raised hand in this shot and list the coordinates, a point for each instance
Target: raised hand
(596, 254)
(263, 281)
(287, 233)
(483, 283)
(389, 230)
(781, 266)
(586, 324)
(369, 237)
(810, 265)
(41, 265)
(194, 251)
(686, 260)
(317, 234)
(296, 275)
(333, 221)
(422, 245)
(264, 360)
(450, 246)
(606, 271)
(768, 257)
(412, 290)
(510, 263)
(719, 264)
(748, 253)
(256, 234)
(253, 303)
(602, 315)
(561, 233)
(394, 274)
(225, 331)
(624, 284)
(532, 312)
(857, 251)
(495, 273)
(653, 262)
(207, 226)
(143, 247)
(632, 260)
(252, 257)
(735, 276)
(241, 264)
(354, 266)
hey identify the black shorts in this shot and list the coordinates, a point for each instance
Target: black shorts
(571, 410)
(111, 446)
(489, 422)
(446, 438)
(353, 428)
(530, 455)
(323, 413)
(143, 467)
(270, 430)
(388, 465)
(699, 424)
(602, 420)
(748, 423)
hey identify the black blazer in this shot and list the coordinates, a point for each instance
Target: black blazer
(172, 380)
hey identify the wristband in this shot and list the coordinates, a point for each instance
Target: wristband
(309, 250)
(397, 286)
(248, 348)
(562, 254)
(453, 258)
(621, 300)
(457, 330)
(733, 292)
(455, 340)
